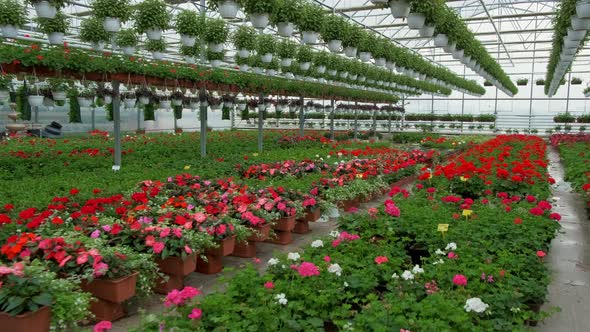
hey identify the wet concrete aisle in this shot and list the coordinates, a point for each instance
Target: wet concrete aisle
(569, 258)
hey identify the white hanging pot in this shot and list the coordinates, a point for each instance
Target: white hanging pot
(427, 31)
(350, 51)
(56, 38)
(259, 21)
(188, 41)
(176, 102)
(335, 46)
(267, 58)
(365, 56)
(286, 62)
(310, 37)
(112, 24)
(244, 68)
(165, 104)
(243, 53)
(84, 102)
(451, 47)
(583, 9)
(45, 10)
(190, 59)
(35, 101)
(473, 63)
(128, 50)
(344, 74)
(158, 55)
(9, 31)
(216, 63)
(144, 100)
(228, 104)
(58, 95)
(129, 102)
(571, 43)
(217, 48)
(441, 40)
(569, 51)
(98, 46)
(305, 65)
(258, 70)
(321, 69)
(242, 106)
(580, 23)
(362, 78)
(228, 9)
(271, 72)
(332, 72)
(154, 33)
(576, 34)
(380, 62)
(465, 60)
(399, 8)
(285, 29)
(390, 65)
(353, 76)
(416, 21)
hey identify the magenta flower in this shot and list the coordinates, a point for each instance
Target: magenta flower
(460, 280)
(102, 326)
(158, 247)
(381, 259)
(195, 314)
(307, 269)
(269, 285)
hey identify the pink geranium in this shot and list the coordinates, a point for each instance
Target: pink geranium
(102, 326)
(158, 247)
(460, 280)
(196, 313)
(308, 269)
(178, 298)
(381, 259)
(269, 285)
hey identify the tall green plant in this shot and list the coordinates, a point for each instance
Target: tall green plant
(286, 11)
(216, 32)
(74, 112)
(244, 37)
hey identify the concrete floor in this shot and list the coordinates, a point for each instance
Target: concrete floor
(569, 258)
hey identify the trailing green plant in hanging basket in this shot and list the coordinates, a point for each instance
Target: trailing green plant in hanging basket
(58, 24)
(152, 14)
(244, 38)
(323, 59)
(367, 42)
(564, 118)
(540, 82)
(576, 81)
(215, 55)
(286, 49)
(192, 51)
(333, 27)
(127, 38)
(266, 44)
(189, 23)
(92, 31)
(58, 4)
(311, 17)
(522, 81)
(305, 54)
(216, 31)
(258, 6)
(487, 83)
(12, 12)
(156, 45)
(285, 11)
(120, 9)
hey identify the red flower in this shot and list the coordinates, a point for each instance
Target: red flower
(40, 57)
(536, 211)
(381, 259)
(74, 191)
(555, 216)
(517, 221)
(541, 254)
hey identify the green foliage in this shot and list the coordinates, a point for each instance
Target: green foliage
(12, 12)
(311, 17)
(190, 23)
(266, 44)
(74, 112)
(156, 45)
(191, 51)
(152, 14)
(333, 27)
(22, 104)
(60, 23)
(127, 38)
(286, 11)
(55, 3)
(287, 49)
(216, 32)
(92, 31)
(244, 37)
(305, 54)
(259, 7)
(113, 8)
(149, 112)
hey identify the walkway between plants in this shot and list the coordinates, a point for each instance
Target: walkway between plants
(569, 258)
(265, 251)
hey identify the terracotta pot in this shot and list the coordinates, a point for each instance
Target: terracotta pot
(36, 321)
(173, 282)
(178, 130)
(301, 227)
(116, 291)
(226, 247)
(284, 224)
(349, 204)
(245, 249)
(140, 131)
(282, 238)
(214, 264)
(105, 310)
(263, 231)
(312, 216)
(177, 266)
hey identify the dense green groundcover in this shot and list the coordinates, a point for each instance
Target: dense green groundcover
(577, 166)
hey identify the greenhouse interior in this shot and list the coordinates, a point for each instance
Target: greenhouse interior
(294, 165)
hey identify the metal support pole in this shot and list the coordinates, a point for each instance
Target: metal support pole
(117, 124)
(389, 121)
(532, 82)
(203, 120)
(92, 118)
(175, 120)
(232, 117)
(332, 114)
(569, 85)
(462, 101)
(375, 121)
(260, 123)
(356, 120)
(36, 115)
(301, 118)
(138, 119)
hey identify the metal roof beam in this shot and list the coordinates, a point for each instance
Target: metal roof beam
(490, 33)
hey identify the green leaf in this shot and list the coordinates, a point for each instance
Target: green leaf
(43, 299)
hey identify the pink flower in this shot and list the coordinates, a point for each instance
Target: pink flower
(188, 250)
(452, 255)
(307, 269)
(177, 232)
(541, 253)
(100, 269)
(555, 216)
(391, 209)
(95, 234)
(336, 243)
(544, 205)
(165, 232)
(460, 280)
(102, 326)
(178, 298)
(158, 247)
(531, 198)
(373, 212)
(269, 285)
(83, 258)
(431, 190)
(381, 259)
(327, 259)
(195, 314)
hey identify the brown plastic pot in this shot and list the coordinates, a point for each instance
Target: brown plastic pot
(263, 230)
(105, 310)
(246, 249)
(35, 321)
(312, 216)
(214, 264)
(173, 282)
(301, 227)
(282, 238)
(226, 247)
(116, 291)
(284, 224)
(177, 266)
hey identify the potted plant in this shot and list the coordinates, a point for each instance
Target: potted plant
(215, 58)
(540, 81)
(86, 97)
(332, 31)
(216, 34)
(286, 50)
(400, 8)
(47, 8)
(127, 40)
(191, 53)
(5, 86)
(305, 57)
(259, 11)
(227, 9)
(59, 88)
(92, 31)
(190, 25)
(143, 94)
(55, 28)
(34, 96)
(244, 39)
(366, 45)
(104, 95)
(522, 81)
(310, 22)
(564, 118)
(284, 15)
(157, 47)
(351, 36)
(419, 11)
(266, 47)
(587, 92)
(13, 17)
(487, 83)
(576, 81)
(152, 17)
(322, 61)
(112, 13)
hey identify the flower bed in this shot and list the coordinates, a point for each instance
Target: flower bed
(573, 150)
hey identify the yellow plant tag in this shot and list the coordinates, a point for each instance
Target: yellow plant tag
(359, 176)
(467, 213)
(462, 178)
(186, 168)
(443, 227)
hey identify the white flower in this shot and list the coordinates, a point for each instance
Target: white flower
(283, 266)
(475, 304)
(294, 256)
(348, 327)
(440, 261)
(317, 244)
(334, 234)
(273, 261)
(345, 284)
(395, 276)
(281, 299)
(317, 155)
(407, 275)
(328, 156)
(336, 269)
(417, 269)
(440, 252)
(451, 246)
